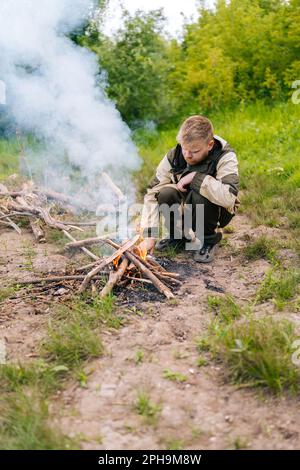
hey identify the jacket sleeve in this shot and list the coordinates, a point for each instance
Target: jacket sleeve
(150, 213)
(223, 189)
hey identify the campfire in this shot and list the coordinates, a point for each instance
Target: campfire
(127, 265)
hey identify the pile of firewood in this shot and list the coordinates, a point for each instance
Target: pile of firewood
(125, 265)
(128, 264)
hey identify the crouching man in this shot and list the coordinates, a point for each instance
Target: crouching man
(201, 170)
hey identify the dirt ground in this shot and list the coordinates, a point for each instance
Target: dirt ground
(205, 411)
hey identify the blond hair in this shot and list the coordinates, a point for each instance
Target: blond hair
(195, 128)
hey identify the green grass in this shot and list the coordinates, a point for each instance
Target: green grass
(174, 444)
(9, 152)
(146, 408)
(279, 285)
(201, 361)
(56, 237)
(257, 352)
(24, 425)
(73, 333)
(262, 247)
(73, 338)
(139, 356)
(225, 307)
(7, 292)
(174, 376)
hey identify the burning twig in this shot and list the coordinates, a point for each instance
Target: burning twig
(106, 261)
(114, 278)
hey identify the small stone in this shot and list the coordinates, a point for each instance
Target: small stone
(228, 419)
(61, 291)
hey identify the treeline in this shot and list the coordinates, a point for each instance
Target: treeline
(241, 51)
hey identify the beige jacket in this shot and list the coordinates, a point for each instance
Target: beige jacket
(220, 188)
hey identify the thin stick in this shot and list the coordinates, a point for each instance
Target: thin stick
(139, 279)
(89, 241)
(13, 214)
(168, 279)
(57, 279)
(85, 250)
(152, 261)
(10, 223)
(114, 278)
(113, 186)
(82, 224)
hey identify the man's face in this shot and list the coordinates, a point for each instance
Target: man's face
(196, 151)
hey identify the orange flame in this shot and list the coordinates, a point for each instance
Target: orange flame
(116, 261)
(142, 253)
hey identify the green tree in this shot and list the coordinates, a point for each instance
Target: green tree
(137, 65)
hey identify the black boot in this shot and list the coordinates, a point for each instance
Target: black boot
(208, 251)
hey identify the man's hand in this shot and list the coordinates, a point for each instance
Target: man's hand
(185, 181)
(147, 245)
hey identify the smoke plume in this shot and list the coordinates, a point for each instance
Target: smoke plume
(56, 92)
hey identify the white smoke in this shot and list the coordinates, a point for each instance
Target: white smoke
(53, 92)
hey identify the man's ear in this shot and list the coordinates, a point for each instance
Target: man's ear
(211, 144)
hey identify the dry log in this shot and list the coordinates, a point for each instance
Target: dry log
(7, 221)
(154, 263)
(156, 267)
(22, 204)
(85, 250)
(167, 274)
(37, 230)
(82, 224)
(106, 261)
(139, 279)
(149, 274)
(58, 279)
(168, 279)
(54, 195)
(114, 278)
(65, 199)
(90, 241)
(13, 214)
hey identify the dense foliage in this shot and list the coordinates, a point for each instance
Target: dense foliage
(240, 51)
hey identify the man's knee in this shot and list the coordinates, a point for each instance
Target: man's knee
(195, 198)
(169, 196)
(213, 213)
